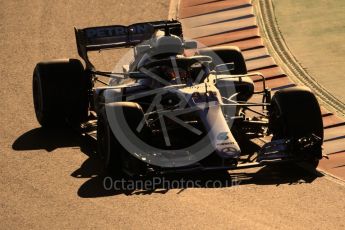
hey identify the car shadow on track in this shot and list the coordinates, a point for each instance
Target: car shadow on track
(48, 140)
(103, 185)
(99, 184)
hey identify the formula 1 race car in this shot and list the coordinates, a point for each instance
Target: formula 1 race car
(175, 107)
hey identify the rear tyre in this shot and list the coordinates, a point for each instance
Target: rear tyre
(226, 54)
(295, 113)
(60, 93)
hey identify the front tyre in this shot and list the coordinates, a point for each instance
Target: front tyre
(115, 157)
(108, 147)
(295, 113)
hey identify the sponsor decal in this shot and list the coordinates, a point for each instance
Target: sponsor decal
(115, 31)
(222, 136)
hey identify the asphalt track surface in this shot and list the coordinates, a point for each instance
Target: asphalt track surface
(53, 180)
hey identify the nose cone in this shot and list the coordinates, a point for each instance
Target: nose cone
(219, 133)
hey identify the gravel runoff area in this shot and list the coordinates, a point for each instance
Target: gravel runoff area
(314, 31)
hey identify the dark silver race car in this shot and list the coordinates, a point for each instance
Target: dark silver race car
(175, 107)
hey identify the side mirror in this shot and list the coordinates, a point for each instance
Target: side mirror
(190, 45)
(125, 68)
(224, 68)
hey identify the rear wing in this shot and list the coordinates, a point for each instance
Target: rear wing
(118, 36)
